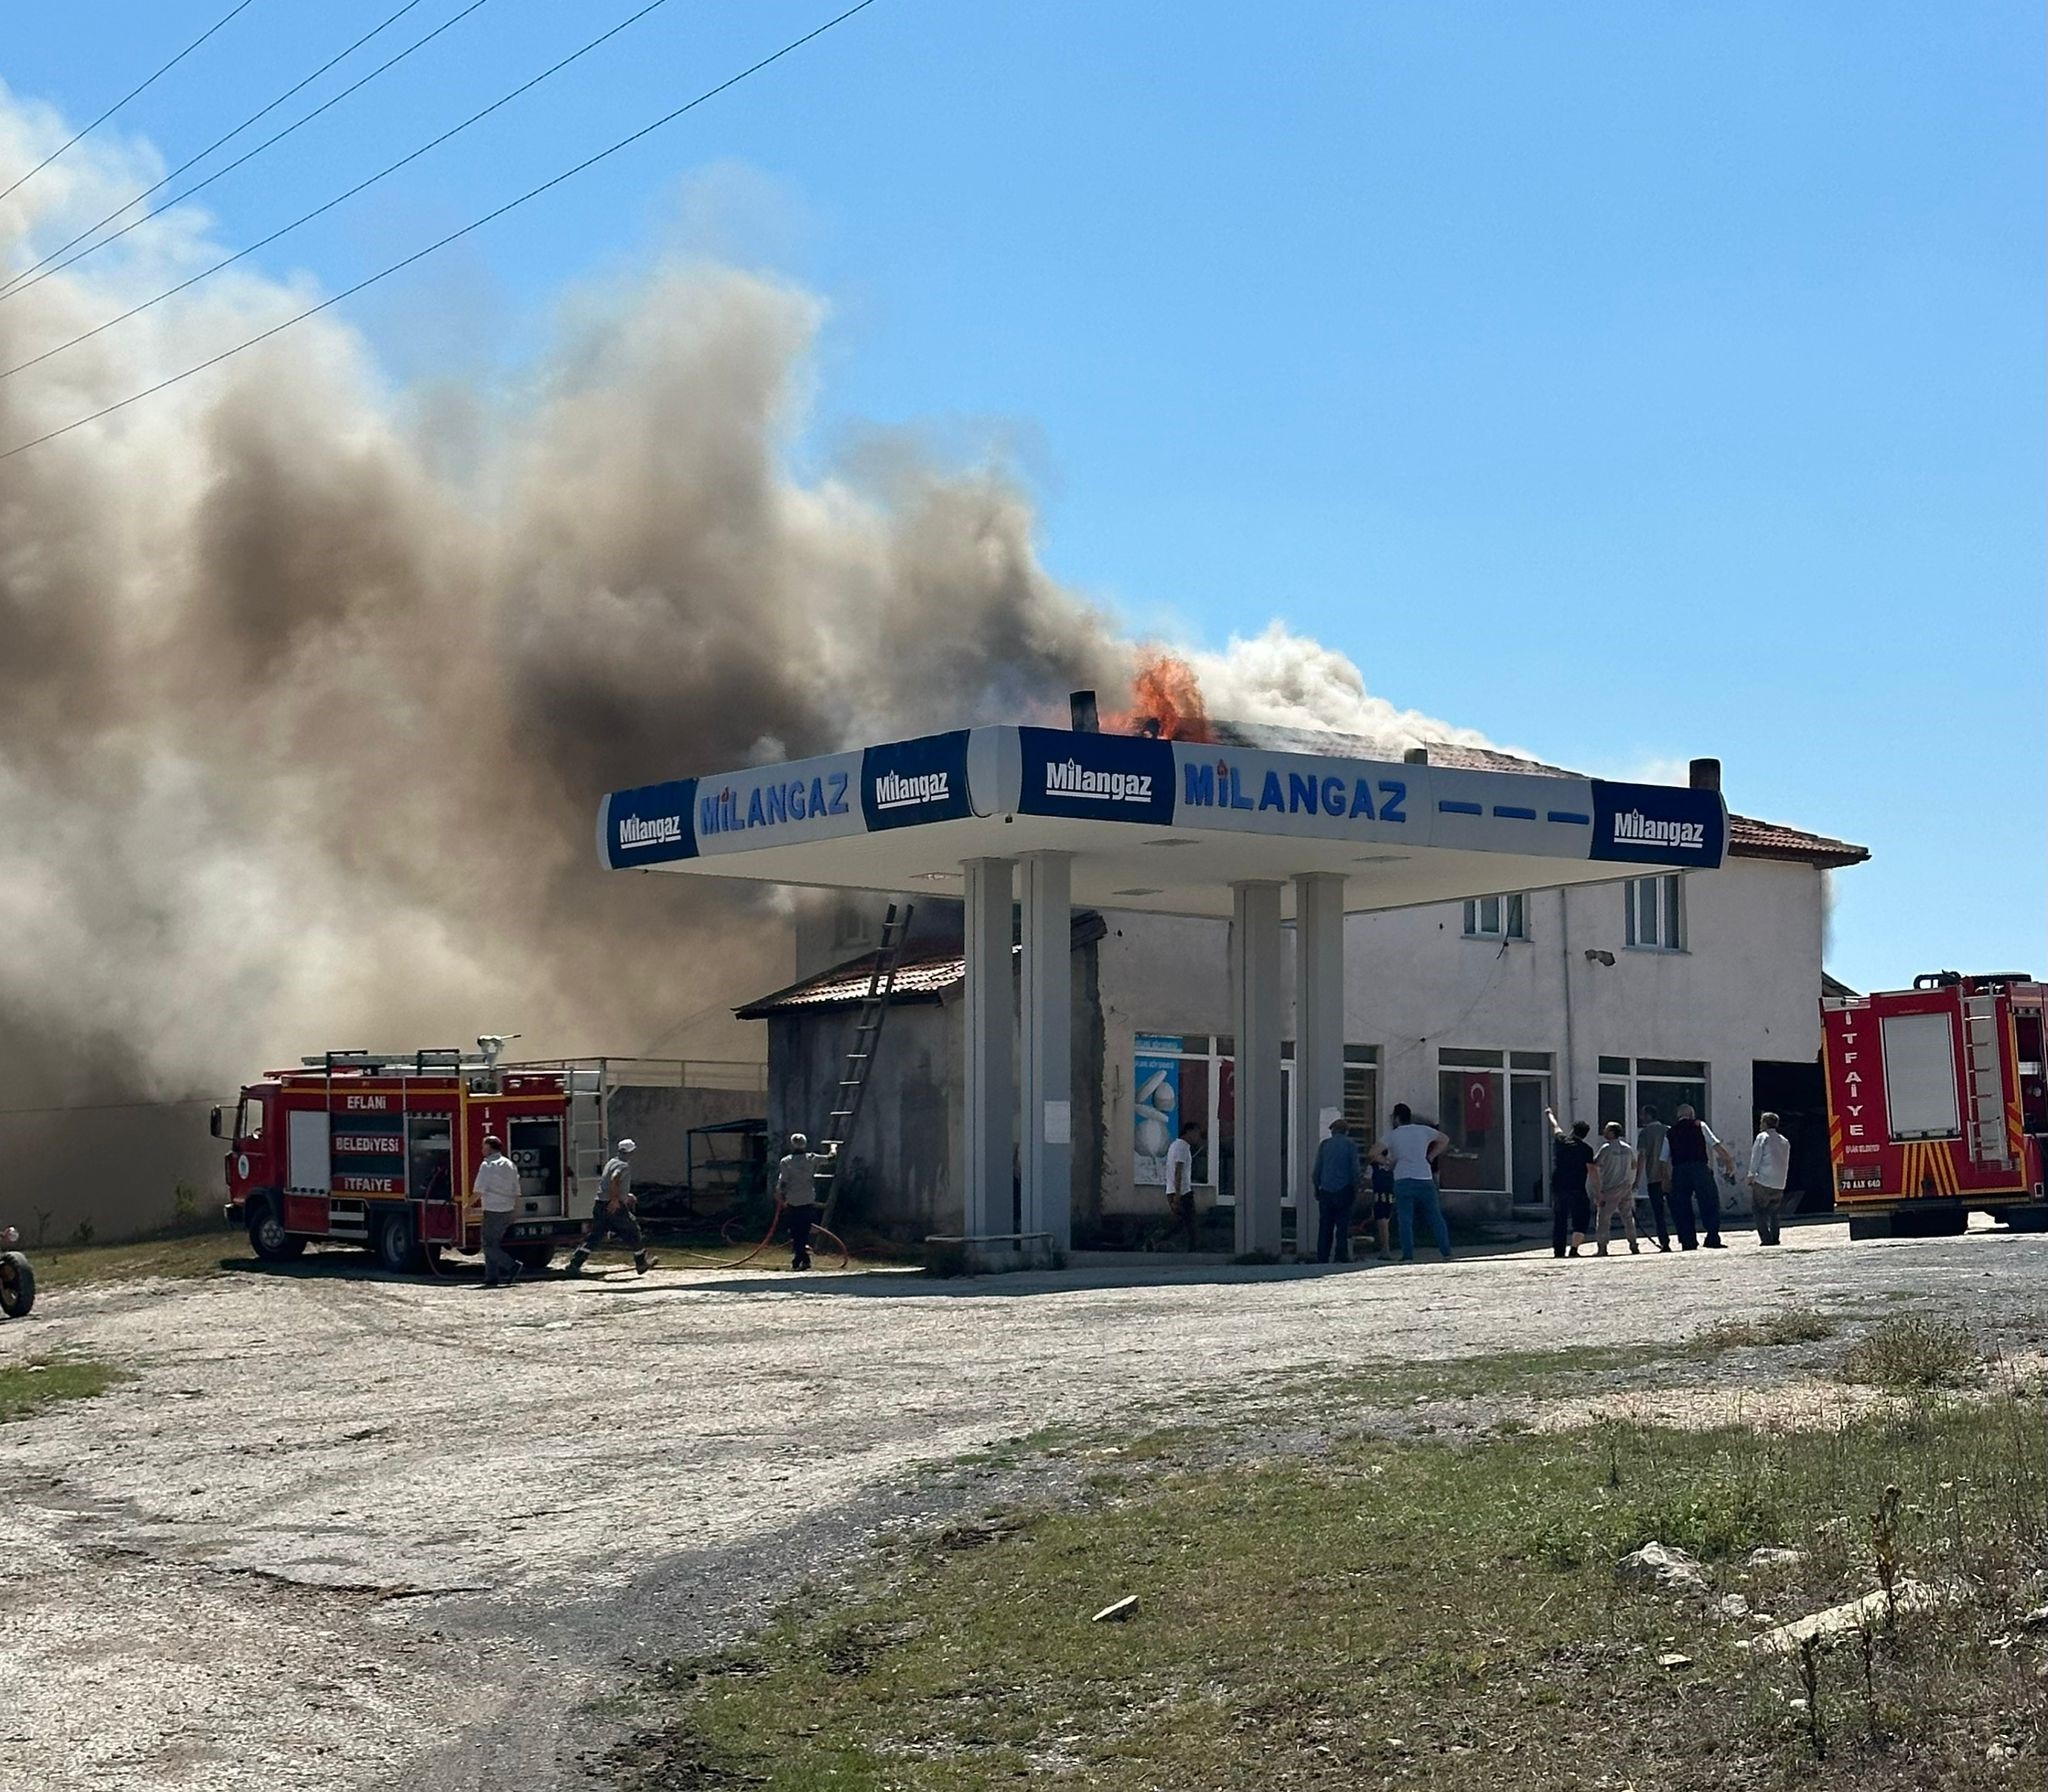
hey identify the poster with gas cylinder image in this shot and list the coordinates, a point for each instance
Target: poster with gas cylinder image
(1156, 1110)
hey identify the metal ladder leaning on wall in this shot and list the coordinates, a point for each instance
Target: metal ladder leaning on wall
(860, 1055)
(1984, 1083)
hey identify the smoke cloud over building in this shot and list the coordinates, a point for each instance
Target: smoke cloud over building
(301, 732)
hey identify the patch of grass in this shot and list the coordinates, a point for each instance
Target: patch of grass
(1913, 1351)
(1795, 1325)
(180, 1256)
(42, 1381)
(1416, 1615)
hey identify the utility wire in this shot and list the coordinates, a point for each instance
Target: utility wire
(192, 161)
(338, 199)
(126, 97)
(646, 130)
(28, 279)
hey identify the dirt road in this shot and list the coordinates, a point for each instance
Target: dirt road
(350, 1532)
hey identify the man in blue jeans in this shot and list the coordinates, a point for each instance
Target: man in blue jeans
(1411, 1150)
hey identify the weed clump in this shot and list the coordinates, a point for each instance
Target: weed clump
(1796, 1325)
(1912, 1352)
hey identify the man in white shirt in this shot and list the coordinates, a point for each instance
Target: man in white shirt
(1614, 1193)
(1770, 1168)
(497, 1192)
(1180, 1184)
(1411, 1149)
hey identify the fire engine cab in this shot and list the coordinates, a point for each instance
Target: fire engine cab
(380, 1149)
(1937, 1103)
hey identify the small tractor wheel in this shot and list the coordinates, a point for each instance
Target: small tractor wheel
(267, 1236)
(17, 1285)
(397, 1250)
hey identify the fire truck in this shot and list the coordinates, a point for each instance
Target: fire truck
(1937, 1103)
(380, 1149)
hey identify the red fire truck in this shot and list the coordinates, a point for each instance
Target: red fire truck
(1937, 1103)
(379, 1150)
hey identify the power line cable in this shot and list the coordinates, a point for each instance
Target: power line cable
(646, 130)
(193, 161)
(338, 199)
(31, 278)
(126, 97)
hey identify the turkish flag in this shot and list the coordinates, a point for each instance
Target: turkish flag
(1479, 1103)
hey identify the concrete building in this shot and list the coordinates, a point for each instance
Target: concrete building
(1699, 986)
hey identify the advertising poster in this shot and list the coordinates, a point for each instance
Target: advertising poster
(1156, 1112)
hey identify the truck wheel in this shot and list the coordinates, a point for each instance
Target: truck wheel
(395, 1246)
(267, 1236)
(17, 1285)
(534, 1258)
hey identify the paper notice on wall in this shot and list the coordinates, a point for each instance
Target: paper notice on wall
(1059, 1123)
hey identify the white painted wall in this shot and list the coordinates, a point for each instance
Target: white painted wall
(1746, 987)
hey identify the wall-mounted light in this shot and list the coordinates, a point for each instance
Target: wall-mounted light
(1594, 955)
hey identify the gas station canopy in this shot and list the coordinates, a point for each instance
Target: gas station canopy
(1167, 826)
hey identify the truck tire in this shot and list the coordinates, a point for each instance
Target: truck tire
(534, 1258)
(396, 1248)
(267, 1236)
(1870, 1225)
(17, 1285)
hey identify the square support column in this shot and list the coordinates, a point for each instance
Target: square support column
(1318, 1036)
(990, 1019)
(1255, 1017)
(1046, 1112)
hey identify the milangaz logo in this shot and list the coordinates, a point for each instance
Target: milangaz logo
(1069, 777)
(1633, 828)
(650, 830)
(894, 791)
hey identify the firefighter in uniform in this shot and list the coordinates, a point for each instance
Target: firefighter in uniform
(613, 1214)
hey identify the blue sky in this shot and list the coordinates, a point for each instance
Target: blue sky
(1628, 382)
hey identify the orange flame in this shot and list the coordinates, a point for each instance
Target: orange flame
(1164, 690)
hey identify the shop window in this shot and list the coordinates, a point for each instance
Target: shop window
(1497, 918)
(1656, 913)
(1490, 1105)
(1628, 1086)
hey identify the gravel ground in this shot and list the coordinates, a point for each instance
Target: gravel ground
(345, 1531)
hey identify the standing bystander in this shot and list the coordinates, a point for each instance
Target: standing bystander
(1686, 1144)
(1614, 1192)
(1180, 1185)
(1410, 1149)
(1571, 1186)
(1770, 1168)
(1336, 1184)
(1656, 1171)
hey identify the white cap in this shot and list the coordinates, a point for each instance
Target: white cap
(626, 1145)
(797, 1141)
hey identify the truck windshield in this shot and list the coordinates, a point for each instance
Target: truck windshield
(249, 1117)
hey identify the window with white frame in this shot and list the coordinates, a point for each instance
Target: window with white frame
(1497, 918)
(1656, 913)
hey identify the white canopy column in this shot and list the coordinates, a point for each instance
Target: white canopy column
(1047, 984)
(1255, 1016)
(991, 1015)
(1318, 1035)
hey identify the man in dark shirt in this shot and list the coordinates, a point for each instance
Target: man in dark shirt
(1686, 1145)
(1571, 1197)
(1336, 1180)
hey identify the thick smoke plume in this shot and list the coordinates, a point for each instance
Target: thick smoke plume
(301, 733)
